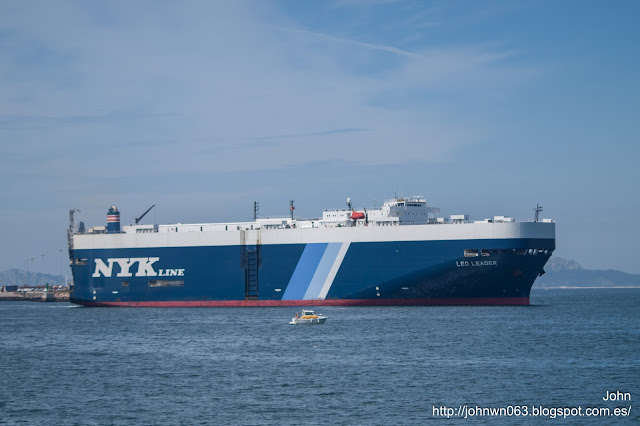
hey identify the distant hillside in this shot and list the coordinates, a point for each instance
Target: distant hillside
(568, 273)
(28, 279)
(557, 264)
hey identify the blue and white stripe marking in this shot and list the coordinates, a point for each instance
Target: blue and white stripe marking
(315, 272)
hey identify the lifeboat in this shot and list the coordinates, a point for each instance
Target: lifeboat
(357, 215)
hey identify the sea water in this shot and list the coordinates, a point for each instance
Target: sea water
(62, 364)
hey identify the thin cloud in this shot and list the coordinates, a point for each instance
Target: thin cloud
(370, 46)
(319, 133)
(14, 122)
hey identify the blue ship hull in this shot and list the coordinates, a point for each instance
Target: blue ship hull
(501, 271)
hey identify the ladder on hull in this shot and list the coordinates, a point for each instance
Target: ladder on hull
(251, 274)
(250, 261)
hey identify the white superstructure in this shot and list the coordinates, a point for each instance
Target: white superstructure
(394, 212)
(399, 219)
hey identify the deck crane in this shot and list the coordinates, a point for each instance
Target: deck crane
(144, 214)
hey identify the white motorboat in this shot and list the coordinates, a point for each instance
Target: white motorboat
(308, 317)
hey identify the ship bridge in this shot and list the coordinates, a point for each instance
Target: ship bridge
(397, 211)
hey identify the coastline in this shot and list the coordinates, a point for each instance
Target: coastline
(34, 296)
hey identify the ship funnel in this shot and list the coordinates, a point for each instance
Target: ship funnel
(113, 220)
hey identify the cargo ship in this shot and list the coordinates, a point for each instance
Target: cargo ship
(401, 253)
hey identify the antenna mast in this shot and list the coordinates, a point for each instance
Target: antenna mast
(256, 207)
(292, 208)
(538, 209)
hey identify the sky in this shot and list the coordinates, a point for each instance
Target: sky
(199, 107)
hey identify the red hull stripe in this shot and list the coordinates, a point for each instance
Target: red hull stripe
(326, 302)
